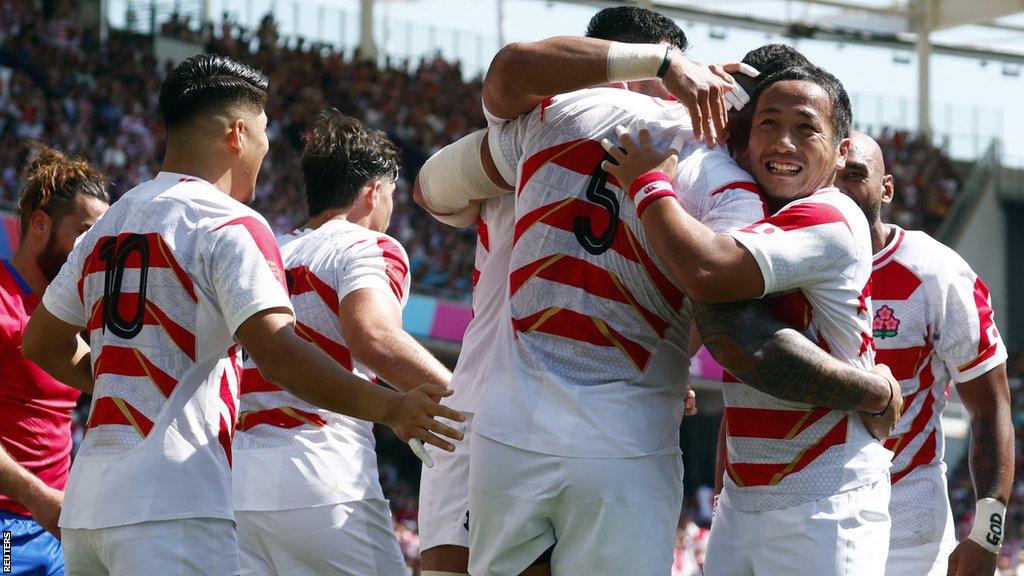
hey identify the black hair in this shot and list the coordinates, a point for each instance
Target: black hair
(772, 58)
(210, 83)
(340, 156)
(53, 182)
(842, 114)
(636, 25)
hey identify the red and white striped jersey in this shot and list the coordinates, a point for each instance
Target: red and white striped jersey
(161, 283)
(290, 454)
(815, 254)
(594, 355)
(490, 280)
(933, 327)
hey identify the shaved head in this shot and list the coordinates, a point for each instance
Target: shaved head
(864, 178)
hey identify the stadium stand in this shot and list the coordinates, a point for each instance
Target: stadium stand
(60, 84)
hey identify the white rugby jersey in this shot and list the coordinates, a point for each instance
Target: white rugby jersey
(161, 283)
(933, 327)
(815, 254)
(290, 454)
(490, 279)
(594, 356)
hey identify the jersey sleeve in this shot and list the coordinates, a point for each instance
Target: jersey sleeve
(714, 190)
(801, 245)
(63, 297)
(379, 263)
(505, 142)
(244, 269)
(968, 341)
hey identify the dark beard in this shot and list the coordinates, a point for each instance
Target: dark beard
(51, 259)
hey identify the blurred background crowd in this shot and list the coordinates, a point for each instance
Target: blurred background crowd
(59, 83)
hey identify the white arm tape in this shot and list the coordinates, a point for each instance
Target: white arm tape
(989, 521)
(465, 217)
(454, 176)
(634, 61)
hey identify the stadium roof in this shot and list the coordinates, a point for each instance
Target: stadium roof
(987, 30)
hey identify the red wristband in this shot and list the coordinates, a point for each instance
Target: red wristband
(649, 187)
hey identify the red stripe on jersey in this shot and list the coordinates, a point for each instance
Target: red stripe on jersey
(987, 339)
(893, 281)
(476, 277)
(582, 328)
(119, 361)
(284, 417)
(582, 156)
(108, 410)
(904, 362)
(562, 214)
(152, 316)
(803, 216)
(592, 279)
(899, 240)
(395, 265)
(793, 308)
(253, 381)
(265, 242)
(339, 353)
(862, 298)
(770, 424)
(924, 456)
(227, 426)
(867, 341)
(160, 256)
(483, 235)
(303, 280)
(900, 442)
(728, 378)
(771, 474)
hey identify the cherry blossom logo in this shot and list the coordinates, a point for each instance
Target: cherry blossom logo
(885, 324)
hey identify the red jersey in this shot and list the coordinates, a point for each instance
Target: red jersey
(36, 425)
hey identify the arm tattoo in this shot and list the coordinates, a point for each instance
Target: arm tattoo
(991, 457)
(769, 356)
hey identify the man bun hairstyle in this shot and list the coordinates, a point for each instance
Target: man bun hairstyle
(53, 181)
(842, 113)
(341, 155)
(210, 83)
(636, 25)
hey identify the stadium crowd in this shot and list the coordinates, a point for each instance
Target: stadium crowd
(59, 83)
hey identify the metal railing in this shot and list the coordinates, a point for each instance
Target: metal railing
(985, 169)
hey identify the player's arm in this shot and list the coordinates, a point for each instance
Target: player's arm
(452, 183)
(721, 458)
(522, 75)
(991, 460)
(710, 267)
(304, 370)
(43, 503)
(768, 355)
(57, 348)
(371, 323)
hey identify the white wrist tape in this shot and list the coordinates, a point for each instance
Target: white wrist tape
(454, 176)
(634, 61)
(989, 518)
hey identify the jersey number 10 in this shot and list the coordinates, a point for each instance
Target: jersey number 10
(114, 253)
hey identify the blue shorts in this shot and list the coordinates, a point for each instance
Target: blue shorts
(34, 551)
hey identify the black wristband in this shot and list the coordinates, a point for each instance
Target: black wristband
(892, 392)
(664, 63)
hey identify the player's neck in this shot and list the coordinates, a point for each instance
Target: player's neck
(208, 168)
(25, 264)
(338, 214)
(881, 235)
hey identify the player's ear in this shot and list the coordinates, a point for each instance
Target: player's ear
(236, 136)
(888, 188)
(40, 224)
(844, 149)
(371, 196)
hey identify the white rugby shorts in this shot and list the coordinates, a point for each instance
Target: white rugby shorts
(444, 494)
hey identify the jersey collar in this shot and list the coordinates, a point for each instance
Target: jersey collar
(17, 277)
(883, 255)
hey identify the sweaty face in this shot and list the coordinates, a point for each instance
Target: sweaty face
(791, 151)
(64, 233)
(862, 177)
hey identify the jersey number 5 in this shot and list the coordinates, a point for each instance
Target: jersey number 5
(582, 226)
(117, 254)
